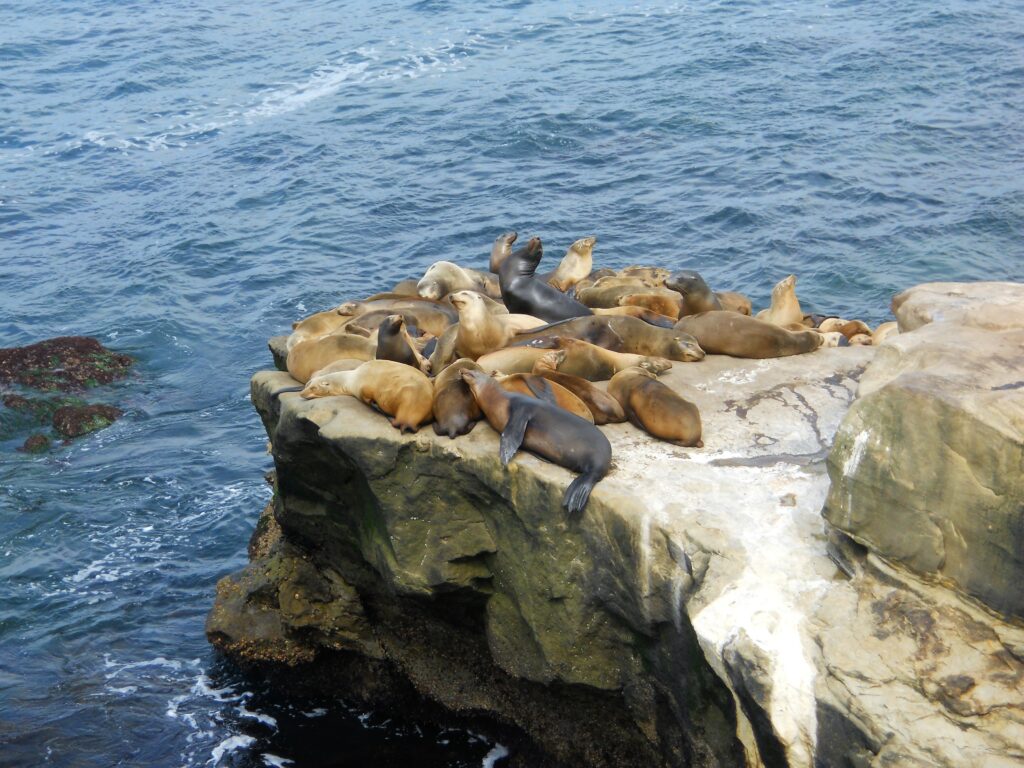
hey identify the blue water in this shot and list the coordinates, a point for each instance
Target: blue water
(184, 179)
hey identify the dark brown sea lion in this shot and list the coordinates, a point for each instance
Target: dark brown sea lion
(394, 343)
(400, 391)
(455, 408)
(546, 430)
(697, 296)
(523, 292)
(603, 407)
(653, 407)
(729, 333)
(622, 334)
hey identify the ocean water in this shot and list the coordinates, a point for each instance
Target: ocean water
(184, 179)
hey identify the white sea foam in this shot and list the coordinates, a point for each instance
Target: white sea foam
(229, 745)
(497, 752)
(276, 762)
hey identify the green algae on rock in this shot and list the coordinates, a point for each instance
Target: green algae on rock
(66, 364)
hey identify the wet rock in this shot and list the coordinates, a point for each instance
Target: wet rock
(78, 420)
(67, 363)
(36, 443)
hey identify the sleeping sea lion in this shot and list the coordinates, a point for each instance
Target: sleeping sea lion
(603, 407)
(734, 302)
(315, 326)
(424, 319)
(593, 363)
(653, 276)
(660, 300)
(526, 294)
(400, 391)
(547, 431)
(607, 291)
(455, 408)
(662, 321)
(653, 407)
(729, 333)
(510, 360)
(537, 386)
(883, 332)
(307, 357)
(623, 334)
(444, 277)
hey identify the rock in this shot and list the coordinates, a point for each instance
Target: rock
(279, 350)
(36, 443)
(928, 466)
(67, 363)
(78, 420)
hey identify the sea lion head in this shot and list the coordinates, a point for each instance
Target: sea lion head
(348, 308)
(433, 284)
(584, 245)
(550, 361)
(390, 326)
(476, 380)
(465, 299)
(318, 387)
(687, 281)
(528, 257)
(834, 339)
(686, 349)
(784, 286)
(655, 365)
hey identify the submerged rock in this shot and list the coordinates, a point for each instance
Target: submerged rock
(78, 420)
(66, 363)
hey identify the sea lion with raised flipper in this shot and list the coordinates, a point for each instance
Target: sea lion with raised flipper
(652, 406)
(444, 277)
(510, 360)
(543, 389)
(546, 430)
(660, 300)
(501, 250)
(394, 343)
(524, 293)
(574, 266)
(455, 408)
(399, 391)
(729, 333)
(623, 334)
(785, 309)
(697, 295)
(307, 357)
(593, 363)
(604, 408)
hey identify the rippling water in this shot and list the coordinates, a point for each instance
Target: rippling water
(184, 179)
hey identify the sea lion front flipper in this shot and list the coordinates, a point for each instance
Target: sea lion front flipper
(542, 389)
(513, 434)
(578, 494)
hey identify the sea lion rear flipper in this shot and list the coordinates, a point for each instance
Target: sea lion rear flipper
(513, 434)
(279, 392)
(542, 389)
(578, 494)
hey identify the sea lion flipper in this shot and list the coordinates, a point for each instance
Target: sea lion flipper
(513, 434)
(578, 494)
(542, 389)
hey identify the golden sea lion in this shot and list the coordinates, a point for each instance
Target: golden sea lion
(883, 332)
(455, 408)
(307, 357)
(315, 326)
(662, 321)
(546, 430)
(400, 391)
(653, 407)
(479, 331)
(424, 319)
(660, 300)
(653, 276)
(603, 407)
(575, 265)
(593, 363)
(607, 291)
(392, 304)
(510, 360)
(407, 287)
(537, 386)
(444, 277)
(785, 309)
(729, 333)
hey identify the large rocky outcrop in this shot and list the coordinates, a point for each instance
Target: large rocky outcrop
(700, 613)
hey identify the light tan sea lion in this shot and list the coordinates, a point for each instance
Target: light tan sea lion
(604, 408)
(455, 409)
(849, 328)
(597, 274)
(480, 332)
(501, 250)
(860, 340)
(394, 343)
(606, 292)
(307, 357)
(445, 277)
(575, 265)
(659, 300)
(785, 308)
(510, 360)
(653, 407)
(883, 332)
(549, 432)
(729, 333)
(315, 326)
(537, 386)
(407, 287)
(735, 302)
(623, 334)
(593, 363)
(653, 276)
(400, 391)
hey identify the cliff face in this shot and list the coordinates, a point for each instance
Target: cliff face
(700, 613)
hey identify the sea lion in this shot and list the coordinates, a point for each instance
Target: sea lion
(501, 250)
(547, 431)
(883, 332)
(594, 276)
(660, 300)
(607, 291)
(315, 326)
(307, 357)
(426, 319)
(603, 407)
(408, 287)
(575, 265)
(397, 390)
(510, 360)
(593, 363)
(455, 408)
(524, 293)
(537, 386)
(653, 407)
(387, 302)
(785, 308)
(860, 340)
(653, 276)
(662, 321)
(394, 343)
(735, 302)
(728, 333)
(849, 328)
(623, 334)
(444, 277)
(697, 295)
(480, 332)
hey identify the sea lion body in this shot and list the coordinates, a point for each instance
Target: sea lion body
(390, 303)
(575, 265)
(549, 432)
(653, 276)
(540, 387)
(735, 302)
(604, 408)
(455, 409)
(445, 277)
(593, 363)
(409, 287)
(479, 331)
(660, 300)
(653, 318)
(729, 333)
(394, 343)
(607, 291)
(315, 326)
(526, 294)
(785, 309)
(883, 332)
(501, 250)
(400, 391)
(425, 319)
(623, 334)
(510, 360)
(697, 295)
(653, 407)
(307, 357)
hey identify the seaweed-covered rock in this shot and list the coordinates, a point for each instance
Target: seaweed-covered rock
(78, 420)
(36, 443)
(66, 363)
